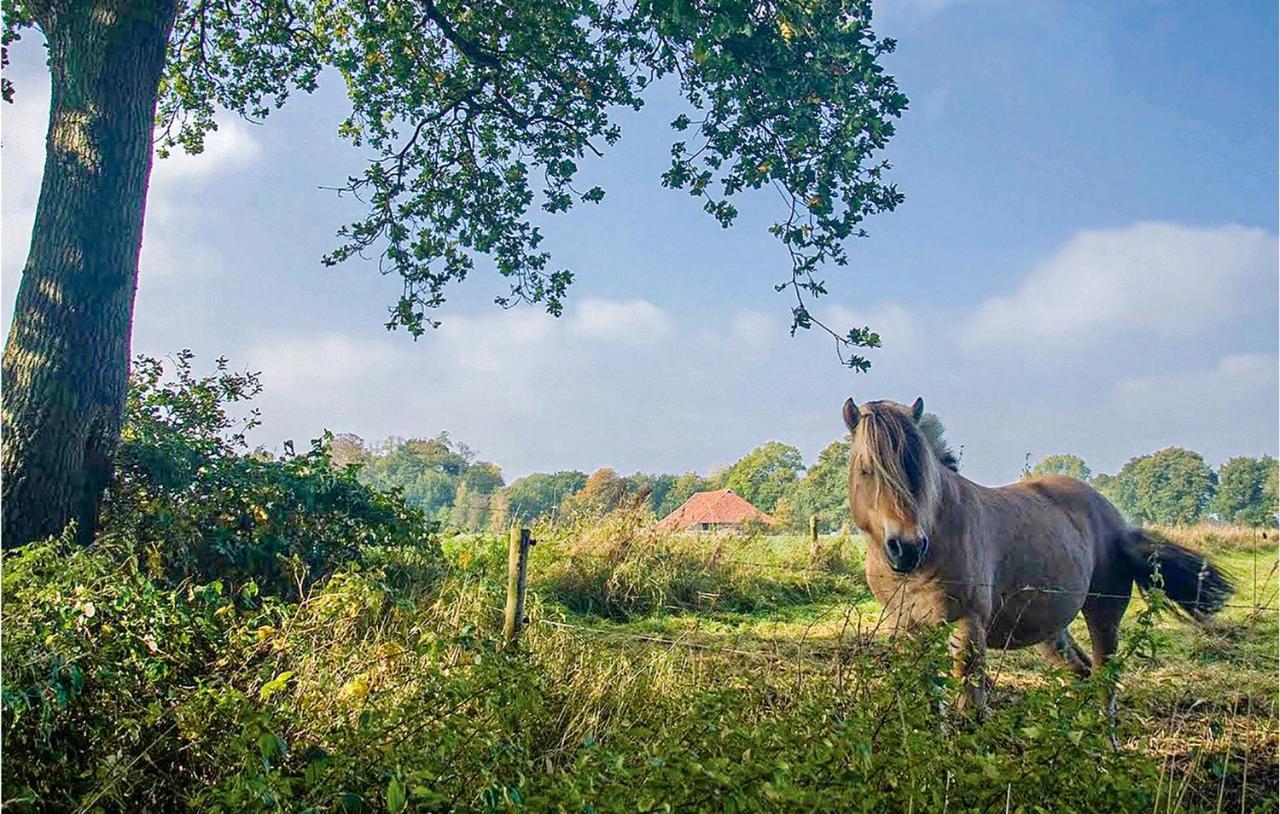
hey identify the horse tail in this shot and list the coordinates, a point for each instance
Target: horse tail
(1187, 577)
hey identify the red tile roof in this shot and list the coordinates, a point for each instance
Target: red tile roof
(721, 507)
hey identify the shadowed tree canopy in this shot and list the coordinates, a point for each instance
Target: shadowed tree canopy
(675, 490)
(477, 116)
(602, 492)
(537, 495)
(823, 492)
(349, 449)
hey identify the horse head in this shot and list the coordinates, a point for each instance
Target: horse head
(894, 475)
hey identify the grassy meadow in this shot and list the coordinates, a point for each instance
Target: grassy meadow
(1198, 702)
(657, 673)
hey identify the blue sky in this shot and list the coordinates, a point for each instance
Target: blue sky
(1086, 262)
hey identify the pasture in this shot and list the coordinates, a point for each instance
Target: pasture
(657, 672)
(1199, 703)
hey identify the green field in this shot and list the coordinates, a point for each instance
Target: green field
(656, 673)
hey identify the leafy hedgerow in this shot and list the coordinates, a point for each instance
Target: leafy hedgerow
(109, 650)
(383, 690)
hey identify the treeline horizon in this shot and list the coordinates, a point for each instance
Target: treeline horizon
(447, 480)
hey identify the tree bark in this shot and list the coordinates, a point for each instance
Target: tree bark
(66, 362)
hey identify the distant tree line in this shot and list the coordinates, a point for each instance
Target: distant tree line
(445, 479)
(1176, 485)
(448, 482)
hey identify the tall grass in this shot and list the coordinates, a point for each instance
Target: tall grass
(1213, 537)
(623, 567)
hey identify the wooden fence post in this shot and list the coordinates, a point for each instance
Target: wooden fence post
(813, 540)
(517, 580)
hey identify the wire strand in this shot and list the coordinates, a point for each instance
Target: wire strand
(954, 582)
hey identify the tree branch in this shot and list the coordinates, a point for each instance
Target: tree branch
(470, 49)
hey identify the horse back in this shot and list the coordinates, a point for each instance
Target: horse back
(1055, 533)
(1059, 511)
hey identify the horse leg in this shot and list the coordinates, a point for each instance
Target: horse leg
(968, 649)
(1103, 614)
(1063, 651)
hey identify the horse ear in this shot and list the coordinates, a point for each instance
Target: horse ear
(917, 410)
(850, 411)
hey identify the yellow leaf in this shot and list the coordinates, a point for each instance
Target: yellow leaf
(356, 688)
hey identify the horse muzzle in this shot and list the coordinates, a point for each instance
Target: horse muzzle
(905, 556)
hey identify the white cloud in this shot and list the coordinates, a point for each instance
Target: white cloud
(621, 383)
(1156, 279)
(315, 364)
(172, 209)
(173, 198)
(231, 146)
(754, 330)
(22, 132)
(1200, 395)
(502, 342)
(1220, 411)
(637, 321)
(168, 259)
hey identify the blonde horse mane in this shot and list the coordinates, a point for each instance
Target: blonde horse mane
(903, 457)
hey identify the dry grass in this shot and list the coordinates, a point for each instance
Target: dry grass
(1218, 537)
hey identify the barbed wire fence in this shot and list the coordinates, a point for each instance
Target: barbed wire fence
(865, 631)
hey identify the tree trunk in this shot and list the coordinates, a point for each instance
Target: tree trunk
(66, 362)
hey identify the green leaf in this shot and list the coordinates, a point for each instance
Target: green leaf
(275, 685)
(396, 797)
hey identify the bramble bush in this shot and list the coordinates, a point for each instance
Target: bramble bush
(386, 689)
(201, 544)
(196, 504)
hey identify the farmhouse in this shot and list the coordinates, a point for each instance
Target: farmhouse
(720, 510)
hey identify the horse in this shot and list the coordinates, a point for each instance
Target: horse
(1009, 567)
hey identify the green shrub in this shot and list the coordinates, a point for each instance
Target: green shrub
(97, 660)
(188, 494)
(123, 693)
(130, 667)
